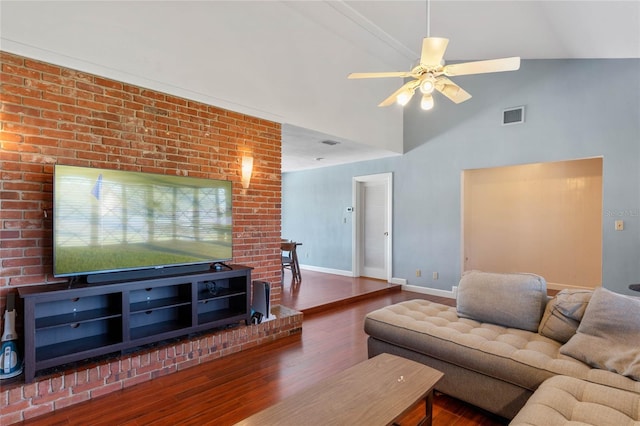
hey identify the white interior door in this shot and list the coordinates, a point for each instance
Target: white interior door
(372, 228)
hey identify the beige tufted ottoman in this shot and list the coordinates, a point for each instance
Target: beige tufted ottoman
(563, 400)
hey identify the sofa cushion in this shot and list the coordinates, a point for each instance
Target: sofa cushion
(563, 400)
(516, 356)
(609, 335)
(511, 300)
(563, 314)
(520, 357)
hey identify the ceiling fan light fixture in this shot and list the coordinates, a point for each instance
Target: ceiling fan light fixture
(404, 97)
(427, 102)
(427, 86)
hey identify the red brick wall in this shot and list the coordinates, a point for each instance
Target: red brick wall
(54, 115)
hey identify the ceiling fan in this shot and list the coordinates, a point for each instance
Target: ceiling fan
(431, 74)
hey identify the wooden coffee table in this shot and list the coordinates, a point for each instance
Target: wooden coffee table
(377, 391)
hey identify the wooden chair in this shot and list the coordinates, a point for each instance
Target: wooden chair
(290, 259)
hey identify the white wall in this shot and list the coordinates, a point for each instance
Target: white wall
(575, 109)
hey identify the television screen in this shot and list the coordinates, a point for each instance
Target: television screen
(113, 220)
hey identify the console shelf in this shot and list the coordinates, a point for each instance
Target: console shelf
(76, 318)
(223, 294)
(213, 316)
(147, 333)
(151, 305)
(67, 323)
(50, 356)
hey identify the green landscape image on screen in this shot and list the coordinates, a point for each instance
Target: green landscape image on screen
(108, 220)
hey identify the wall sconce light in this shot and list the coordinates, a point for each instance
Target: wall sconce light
(247, 169)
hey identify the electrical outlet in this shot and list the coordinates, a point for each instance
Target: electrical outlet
(418, 273)
(435, 276)
(619, 225)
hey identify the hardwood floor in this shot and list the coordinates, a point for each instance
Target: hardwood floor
(318, 291)
(227, 390)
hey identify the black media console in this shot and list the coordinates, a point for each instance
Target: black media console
(66, 323)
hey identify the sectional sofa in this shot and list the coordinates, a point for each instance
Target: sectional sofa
(509, 349)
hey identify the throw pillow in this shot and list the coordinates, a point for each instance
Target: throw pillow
(609, 335)
(563, 314)
(514, 300)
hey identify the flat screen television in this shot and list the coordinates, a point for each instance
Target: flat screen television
(114, 224)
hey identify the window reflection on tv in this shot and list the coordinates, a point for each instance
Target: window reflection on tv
(112, 220)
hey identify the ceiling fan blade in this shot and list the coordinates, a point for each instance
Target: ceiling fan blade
(433, 49)
(451, 90)
(378, 74)
(481, 67)
(411, 85)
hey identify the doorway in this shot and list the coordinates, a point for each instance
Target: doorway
(372, 233)
(544, 218)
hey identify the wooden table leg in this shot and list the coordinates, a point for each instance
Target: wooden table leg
(428, 418)
(294, 260)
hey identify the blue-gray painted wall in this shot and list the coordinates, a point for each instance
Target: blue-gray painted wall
(574, 109)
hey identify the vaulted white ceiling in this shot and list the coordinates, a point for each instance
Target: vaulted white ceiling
(288, 61)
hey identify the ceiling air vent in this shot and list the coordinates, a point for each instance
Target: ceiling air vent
(330, 143)
(513, 116)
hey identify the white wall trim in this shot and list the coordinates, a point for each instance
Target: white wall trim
(356, 237)
(450, 294)
(327, 270)
(431, 291)
(66, 61)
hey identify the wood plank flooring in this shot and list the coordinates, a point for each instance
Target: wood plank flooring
(225, 391)
(318, 291)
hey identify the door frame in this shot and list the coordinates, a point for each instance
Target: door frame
(356, 240)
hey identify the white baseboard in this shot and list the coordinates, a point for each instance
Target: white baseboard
(431, 291)
(451, 294)
(400, 281)
(327, 270)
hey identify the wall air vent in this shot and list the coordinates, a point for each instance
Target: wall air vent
(330, 142)
(513, 115)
